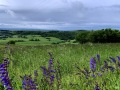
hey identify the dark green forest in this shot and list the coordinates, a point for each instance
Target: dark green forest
(63, 35)
(99, 36)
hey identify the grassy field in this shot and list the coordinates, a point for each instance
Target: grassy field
(30, 40)
(26, 59)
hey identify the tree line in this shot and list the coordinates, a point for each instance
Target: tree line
(107, 35)
(99, 36)
(63, 35)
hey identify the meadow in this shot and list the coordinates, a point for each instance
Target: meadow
(29, 40)
(73, 60)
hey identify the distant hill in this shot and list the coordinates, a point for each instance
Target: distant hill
(34, 29)
(21, 29)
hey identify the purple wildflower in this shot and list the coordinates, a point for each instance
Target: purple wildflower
(44, 71)
(113, 59)
(98, 57)
(86, 73)
(111, 68)
(105, 66)
(97, 87)
(50, 61)
(35, 76)
(118, 64)
(5, 80)
(28, 83)
(48, 73)
(99, 74)
(35, 73)
(118, 58)
(50, 67)
(93, 75)
(93, 64)
(52, 79)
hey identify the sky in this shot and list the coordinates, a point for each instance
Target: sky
(60, 14)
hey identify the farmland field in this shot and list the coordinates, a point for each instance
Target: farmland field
(26, 59)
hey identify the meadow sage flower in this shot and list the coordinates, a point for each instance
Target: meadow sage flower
(93, 64)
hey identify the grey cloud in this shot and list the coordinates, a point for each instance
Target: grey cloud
(11, 13)
(70, 14)
(64, 14)
(103, 15)
(2, 5)
(9, 16)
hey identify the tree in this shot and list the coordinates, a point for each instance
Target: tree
(83, 37)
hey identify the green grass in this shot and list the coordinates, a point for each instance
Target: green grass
(42, 40)
(26, 59)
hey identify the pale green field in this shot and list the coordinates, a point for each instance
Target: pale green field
(26, 59)
(42, 40)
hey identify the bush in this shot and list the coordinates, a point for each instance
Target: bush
(48, 38)
(55, 43)
(11, 42)
(74, 41)
(31, 39)
(19, 40)
(34, 39)
(3, 38)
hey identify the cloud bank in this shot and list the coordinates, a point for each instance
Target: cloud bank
(60, 14)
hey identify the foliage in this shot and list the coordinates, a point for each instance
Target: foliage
(99, 36)
(83, 37)
(11, 42)
(34, 39)
(63, 35)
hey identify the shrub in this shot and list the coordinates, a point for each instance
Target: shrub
(74, 41)
(11, 42)
(55, 43)
(48, 38)
(34, 39)
(19, 41)
(31, 39)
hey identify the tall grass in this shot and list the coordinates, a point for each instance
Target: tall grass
(26, 59)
